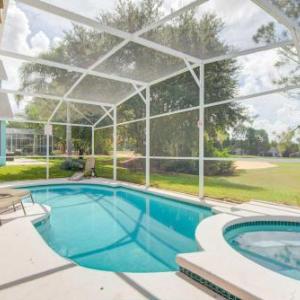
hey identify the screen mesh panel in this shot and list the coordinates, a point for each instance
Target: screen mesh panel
(37, 78)
(101, 90)
(250, 74)
(174, 94)
(265, 126)
(127, 16)
(141, 63)
(132, 109)
(217, 27)
(175, 135)
(32, 108)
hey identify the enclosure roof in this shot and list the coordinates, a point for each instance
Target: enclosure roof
(101, 53)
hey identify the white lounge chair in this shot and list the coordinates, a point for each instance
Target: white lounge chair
(11, 197)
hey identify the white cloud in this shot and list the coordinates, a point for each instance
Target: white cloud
(39, 42)
(275, 113)
(16, 30)
(17, 33)
(257, 72)
(18, 38)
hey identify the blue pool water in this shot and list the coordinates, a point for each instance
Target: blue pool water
(117, 229)
(272, 244)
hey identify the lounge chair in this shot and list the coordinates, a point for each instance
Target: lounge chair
(11, 197)
(89, 168)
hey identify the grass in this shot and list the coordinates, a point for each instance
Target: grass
(30, 172)
(279, 184)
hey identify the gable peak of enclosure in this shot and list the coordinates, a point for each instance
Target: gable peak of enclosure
(102, 53)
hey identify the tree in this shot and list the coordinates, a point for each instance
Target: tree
(288, 142)
(256, 141)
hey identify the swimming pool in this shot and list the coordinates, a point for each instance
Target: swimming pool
(117, 229)
(272, 244)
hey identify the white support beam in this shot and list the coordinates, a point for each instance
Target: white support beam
(115, 159)
(140, 93)
(248, 51)
(277, 14)
(55, 110)
(47, 154)
(148, 101)
(129, 96)
(50, 97)
(110, 53)
(93, 141)
(192, 71)
(68, 68)
(74, 85)
(81, 113)
(255, 95)
(174, 74)
(132, 121)
(104, 127)
(282, 18)
(166, 50)
(45, 122)
(201, 124)
(108, 112)
(102, 118)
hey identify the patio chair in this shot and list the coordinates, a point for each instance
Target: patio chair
(89, 170)
(11, 197)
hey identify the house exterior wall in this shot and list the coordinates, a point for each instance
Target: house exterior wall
(2, 143)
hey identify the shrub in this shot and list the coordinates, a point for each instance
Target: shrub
(212, 168)
(71, 164)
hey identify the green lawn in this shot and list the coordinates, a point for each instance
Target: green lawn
(28, 172)
(279, 184)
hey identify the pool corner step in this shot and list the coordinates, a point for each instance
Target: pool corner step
(196, 266)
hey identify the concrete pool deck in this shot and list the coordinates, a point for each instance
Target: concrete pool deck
(32, 270)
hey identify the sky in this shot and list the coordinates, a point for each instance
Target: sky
(28, 31)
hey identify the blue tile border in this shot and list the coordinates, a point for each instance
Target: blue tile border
(277, 223)
(213, 287)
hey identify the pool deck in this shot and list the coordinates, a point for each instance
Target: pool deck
(32, 270)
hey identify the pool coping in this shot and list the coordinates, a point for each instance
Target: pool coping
(209, 263)
(191, 199)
